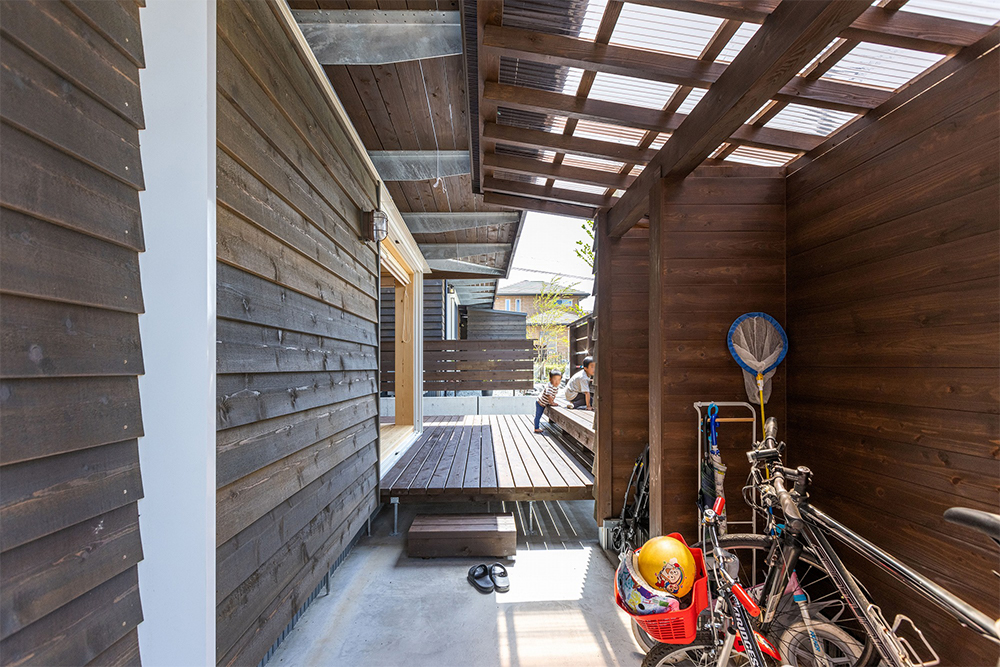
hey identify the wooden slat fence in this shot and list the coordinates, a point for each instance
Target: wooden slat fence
(472, 365)
(581, 340)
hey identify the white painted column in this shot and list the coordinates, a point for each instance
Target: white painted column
(177, 453)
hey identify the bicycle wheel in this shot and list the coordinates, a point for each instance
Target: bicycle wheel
(849, 645)
(700, 653)
(642, 638)
(838, 646)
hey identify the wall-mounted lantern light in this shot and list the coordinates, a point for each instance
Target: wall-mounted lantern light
(376, 226)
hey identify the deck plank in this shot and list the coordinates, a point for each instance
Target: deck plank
(569, 473)
(483, 458)
(530, 450)
(487, 463)
(459, 467)
(439, 478)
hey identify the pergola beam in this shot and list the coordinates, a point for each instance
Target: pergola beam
(605, 150)
(447, 221)
(684, 71)
(531, 167)
(518, 188)
(877, 25)
(379, 37)
(540, 205)
(792, 35)
(459, 250)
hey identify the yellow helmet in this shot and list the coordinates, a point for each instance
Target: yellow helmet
(668, 565)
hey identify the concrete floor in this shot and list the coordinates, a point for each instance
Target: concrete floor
(386, 609)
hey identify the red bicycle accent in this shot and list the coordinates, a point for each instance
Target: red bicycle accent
(720, 504)
(745, 600)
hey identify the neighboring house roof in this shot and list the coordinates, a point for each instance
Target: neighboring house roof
(533, 288)
(551, 317)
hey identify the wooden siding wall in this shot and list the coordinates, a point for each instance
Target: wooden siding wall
(718, 252)
(70, 354)
(893, 319)
(297, 347)
(434, 300)
(488, 324)
(622, 419)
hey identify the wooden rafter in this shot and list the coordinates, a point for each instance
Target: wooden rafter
(530, 99)
(715, 45)
(604, 31)
(488, 12)
(792, 35)
(877, 25)
(581, 53)
(542, 206)
(562, 172)
(546, 192)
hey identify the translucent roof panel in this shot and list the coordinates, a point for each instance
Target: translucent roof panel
(636, 170)
(518, 178)
(691, 101)
(592, 19)
(881, 66)
(664, 30)
(986, 12)
(579, 187)
(659, 141)
(631, 91)
(760, 156)
(591, 163)
(603, 132)
(811, 120)
(736, 44)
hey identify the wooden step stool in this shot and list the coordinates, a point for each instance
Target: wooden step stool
(451, 535)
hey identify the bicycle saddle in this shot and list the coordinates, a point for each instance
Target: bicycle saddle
(986, 523)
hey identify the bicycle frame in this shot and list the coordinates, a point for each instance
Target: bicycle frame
(814, 528)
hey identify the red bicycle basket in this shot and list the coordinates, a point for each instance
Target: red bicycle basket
(681, 626)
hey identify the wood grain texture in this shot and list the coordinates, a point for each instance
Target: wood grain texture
(297, 345)
(70, 352)
(894, 318)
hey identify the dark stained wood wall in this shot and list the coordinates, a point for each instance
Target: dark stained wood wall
(717, 245)
(434, 300)
(894, 303)
(298, 309)
(622, 419)
(69, 276)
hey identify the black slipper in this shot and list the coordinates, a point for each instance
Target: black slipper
(498, 573)
(479, 577)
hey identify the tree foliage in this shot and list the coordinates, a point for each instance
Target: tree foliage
(585, 246)
(552, 305)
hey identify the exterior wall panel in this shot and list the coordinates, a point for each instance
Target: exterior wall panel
(297, 350)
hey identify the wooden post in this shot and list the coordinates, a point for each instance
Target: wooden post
(657, 369)
(405, 361)
(605, 391)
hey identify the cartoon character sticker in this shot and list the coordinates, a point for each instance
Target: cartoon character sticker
(669, 578)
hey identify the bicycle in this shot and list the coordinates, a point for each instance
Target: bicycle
(809, 607)
(633, 524)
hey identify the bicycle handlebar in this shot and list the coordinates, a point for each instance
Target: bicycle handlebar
(793, 520)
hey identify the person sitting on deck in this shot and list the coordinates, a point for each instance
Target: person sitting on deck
(547, 398)
(578, 388)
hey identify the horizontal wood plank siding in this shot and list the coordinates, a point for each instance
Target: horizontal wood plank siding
(622, 407)
(297, 333)
(703, 277)
(894, 317)
(70, 354)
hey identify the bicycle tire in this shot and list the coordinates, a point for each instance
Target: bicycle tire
(762, 543)
(695, 654)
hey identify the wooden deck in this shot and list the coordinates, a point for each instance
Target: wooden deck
(578, 424)
(495, 457)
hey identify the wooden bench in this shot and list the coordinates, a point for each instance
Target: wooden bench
(578, 424)
(461, 535)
